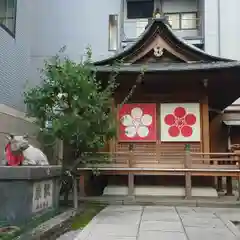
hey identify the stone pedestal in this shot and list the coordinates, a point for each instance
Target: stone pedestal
(26, 192)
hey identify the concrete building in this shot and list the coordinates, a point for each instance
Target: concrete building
(31, 31)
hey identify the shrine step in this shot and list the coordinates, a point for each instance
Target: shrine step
(161, 191)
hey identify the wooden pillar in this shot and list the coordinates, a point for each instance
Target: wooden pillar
(219, 184)
(82, 185)
(238, 187)
(130, 184)
(229, 186)
(130, 174)
(237, 158)
(228, 178)
(205, 126)
(188, 180)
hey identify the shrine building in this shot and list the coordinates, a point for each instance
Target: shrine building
(170, 140)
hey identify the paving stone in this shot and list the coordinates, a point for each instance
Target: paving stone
(165, 223)
(161, 226)
(232, 216)
(154, 235)
(106, 237)
(185, 210)
(192, 221)
(116, 230)
(157, 216)
(69, 235)
(130, 217)
(209, 215)
(161, 209)
(120, 217)
(196, 212)
(121, 220)
(115, 208)
(195, 233)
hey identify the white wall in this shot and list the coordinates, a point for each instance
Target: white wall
(230, 29)
(14, 58)
(222, 31)
(222, 34)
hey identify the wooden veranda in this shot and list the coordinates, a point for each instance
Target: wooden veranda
(188, 165)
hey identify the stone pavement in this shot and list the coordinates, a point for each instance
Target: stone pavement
(165, 223)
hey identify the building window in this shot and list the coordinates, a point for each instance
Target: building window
(174, 20)
(181, 21)
(113, 33)
(140, 9)
(188, 20)
(8, 15)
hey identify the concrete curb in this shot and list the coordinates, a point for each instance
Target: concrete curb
(52, 228)
(166, 202)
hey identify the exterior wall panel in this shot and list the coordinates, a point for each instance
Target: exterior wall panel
(14, 58)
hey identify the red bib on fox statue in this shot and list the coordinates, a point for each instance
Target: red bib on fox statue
(13, 159)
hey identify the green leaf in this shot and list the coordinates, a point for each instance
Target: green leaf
(85, 119)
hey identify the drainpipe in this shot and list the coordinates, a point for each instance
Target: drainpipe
(121, 24)
(219, 26)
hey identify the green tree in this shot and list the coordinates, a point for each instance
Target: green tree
(72, 104)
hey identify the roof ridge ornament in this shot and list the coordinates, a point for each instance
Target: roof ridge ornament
(157, 14)
(160, 16)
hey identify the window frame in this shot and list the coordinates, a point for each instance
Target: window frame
(196, 16)
(180, 19)
(134, 19)
(110, 49)
(3, 26)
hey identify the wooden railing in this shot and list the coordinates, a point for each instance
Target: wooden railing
(187, 163)
(196, 160)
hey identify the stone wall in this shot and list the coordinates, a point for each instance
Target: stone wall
(28, 192)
